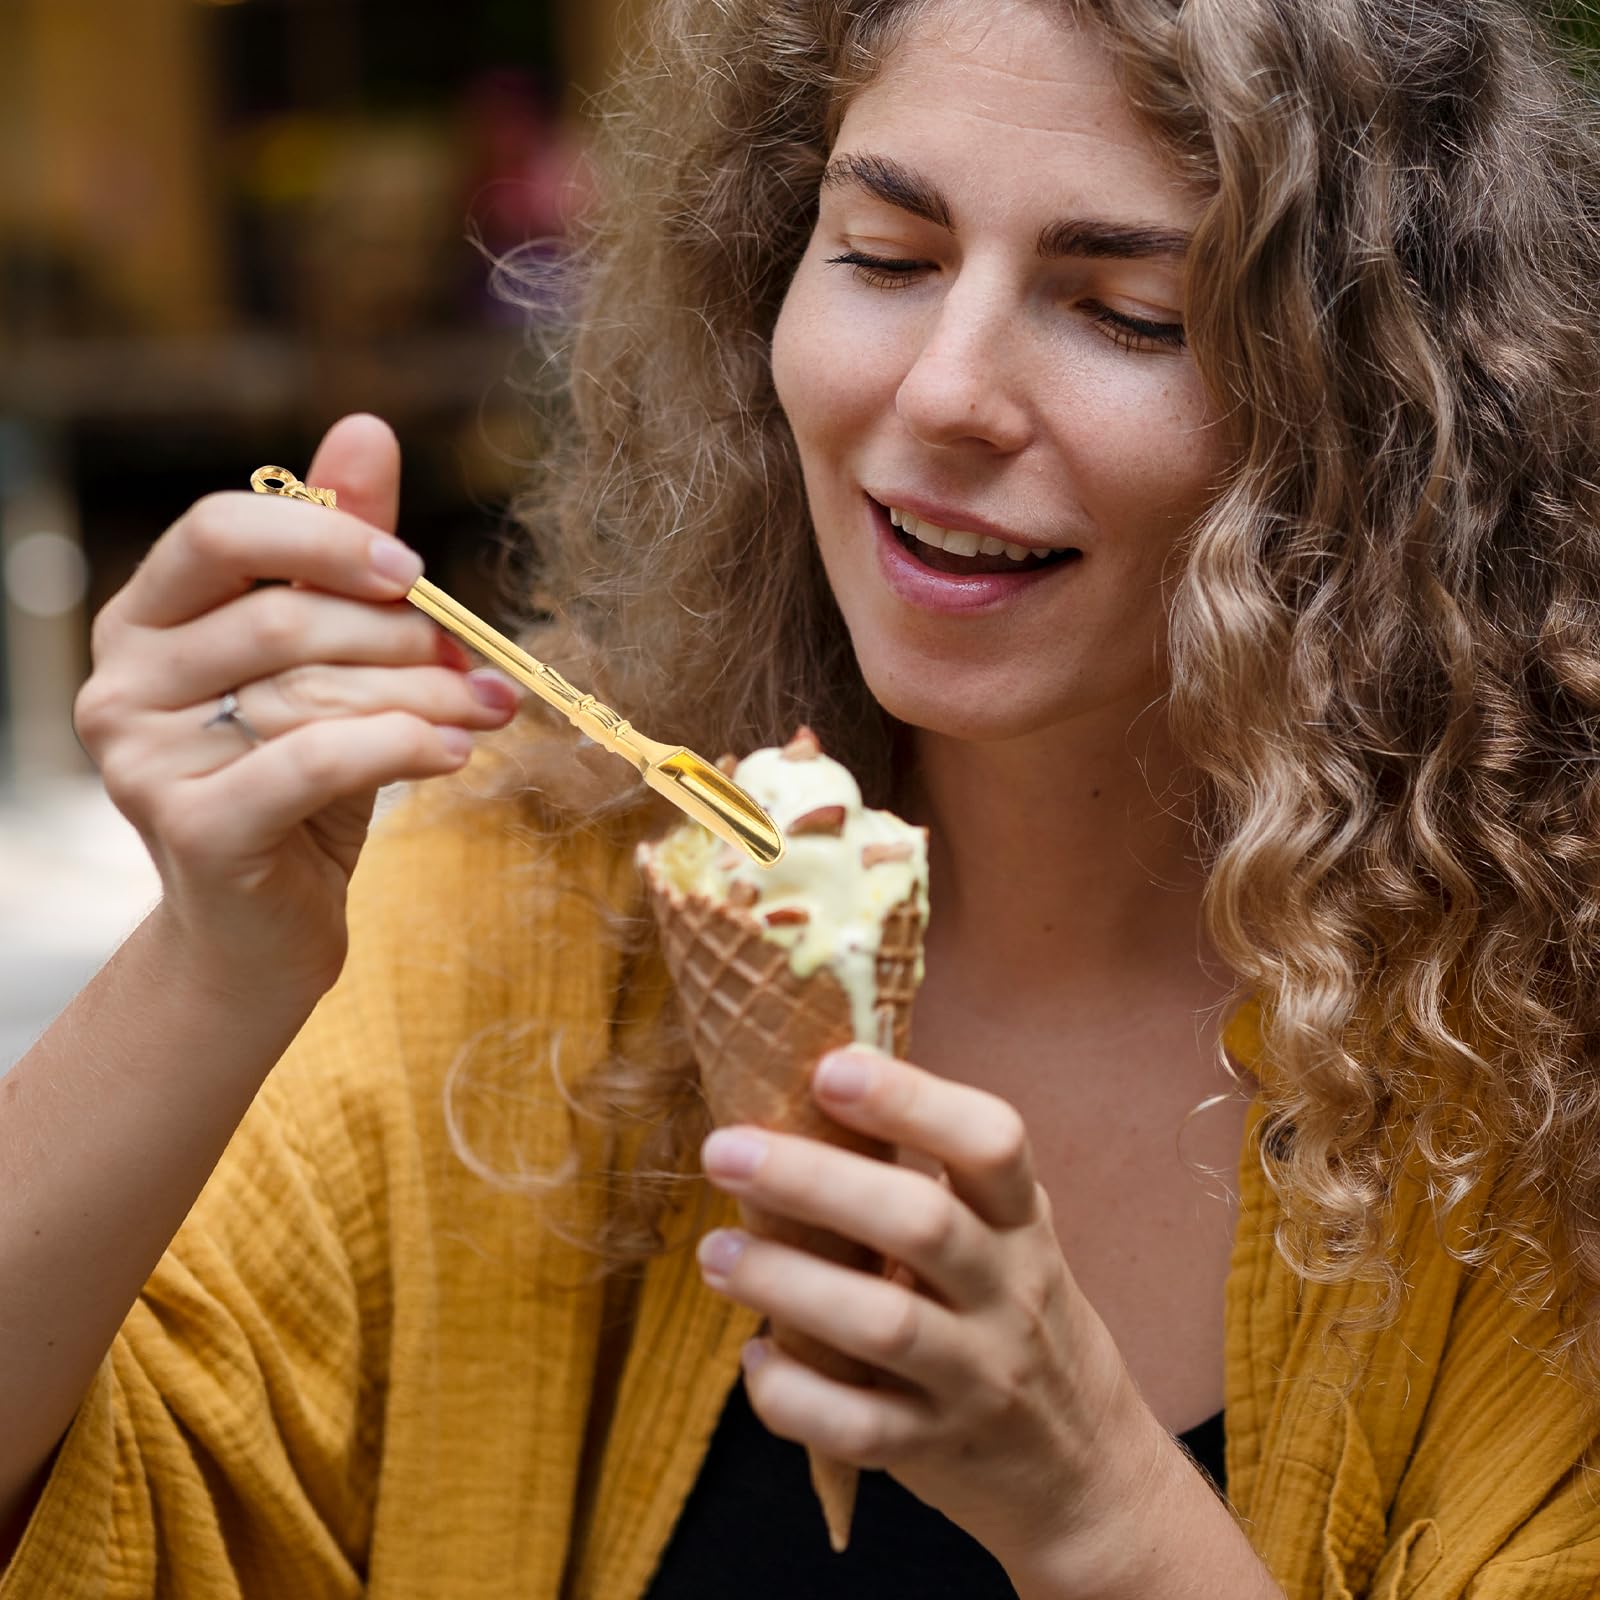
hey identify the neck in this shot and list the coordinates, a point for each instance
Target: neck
(1060, 861)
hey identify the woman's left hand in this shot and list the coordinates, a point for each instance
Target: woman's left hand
(1003, 1401)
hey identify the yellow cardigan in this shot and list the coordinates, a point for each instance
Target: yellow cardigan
(361, 1369)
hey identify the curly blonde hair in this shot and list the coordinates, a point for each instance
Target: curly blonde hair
(1383, 639)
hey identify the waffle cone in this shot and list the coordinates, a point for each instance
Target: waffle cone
(757, 1032)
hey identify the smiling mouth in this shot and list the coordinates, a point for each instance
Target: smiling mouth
(929, 545)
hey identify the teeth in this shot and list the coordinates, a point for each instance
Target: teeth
(956, 541)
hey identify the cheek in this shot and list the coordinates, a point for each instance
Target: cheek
(831, 365)
(805, 382)
(803, 374)
(1153, 461)
(788, 363)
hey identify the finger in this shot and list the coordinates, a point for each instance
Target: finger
(483, 698)
(277, 630)
(359, 459)
(186, 743)
(226, 542)
(865, 1427)
(903, 1214)
(251, 802)
(858, 1313)
(978, 1137)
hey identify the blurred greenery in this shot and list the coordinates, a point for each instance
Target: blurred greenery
(1578, 21)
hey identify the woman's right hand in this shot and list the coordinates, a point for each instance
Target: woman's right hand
(349, 687)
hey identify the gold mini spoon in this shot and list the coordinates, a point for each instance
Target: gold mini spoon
(689, 781)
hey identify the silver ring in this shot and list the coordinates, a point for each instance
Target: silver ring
(228, 711)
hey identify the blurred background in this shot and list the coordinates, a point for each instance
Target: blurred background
(224, 224)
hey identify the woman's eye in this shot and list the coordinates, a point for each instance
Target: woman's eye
(880, 272)
(1130, 333)
(1134, 333)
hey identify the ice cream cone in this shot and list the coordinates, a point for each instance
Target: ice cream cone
(777, 965)
(757, 1031)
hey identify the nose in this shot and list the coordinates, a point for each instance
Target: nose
(965, 385)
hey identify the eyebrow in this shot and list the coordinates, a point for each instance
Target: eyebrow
(891, 183)
(897, 185)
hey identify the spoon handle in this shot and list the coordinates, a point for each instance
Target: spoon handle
(616, 734)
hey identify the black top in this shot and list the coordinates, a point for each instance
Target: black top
(752, 1526)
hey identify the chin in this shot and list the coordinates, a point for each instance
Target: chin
(956, 710)
(992, 702)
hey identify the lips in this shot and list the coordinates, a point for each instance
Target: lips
(961, 584)
(960, 553)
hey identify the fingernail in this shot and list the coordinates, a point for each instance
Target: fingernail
(844, 1077)
(493, 689)
(755, 1352)
(720, 1251)
(457, 741)
(727, 1154)
(394, 561)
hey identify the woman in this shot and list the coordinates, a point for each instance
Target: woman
(1261, 329)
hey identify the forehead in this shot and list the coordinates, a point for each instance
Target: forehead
(1015, 103)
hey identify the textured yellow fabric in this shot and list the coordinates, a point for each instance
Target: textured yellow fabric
(360, 1369)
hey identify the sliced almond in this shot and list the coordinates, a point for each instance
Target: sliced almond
(824, 819)
(787, 917)
(727, 763)
(803, 747)
(743, 895)
(872, 854)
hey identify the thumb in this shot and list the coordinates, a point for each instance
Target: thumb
(359, 459)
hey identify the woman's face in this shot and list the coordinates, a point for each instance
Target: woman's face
(985, 334)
